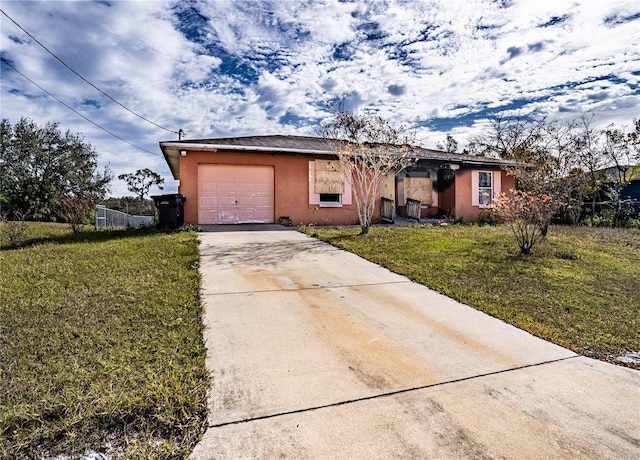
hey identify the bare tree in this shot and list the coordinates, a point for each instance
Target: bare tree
(564, 161)
(620, 151)
(368, 148)
(588, 145)
(549, 170)
(633, 138)
(76, 210)
(510, 138)
(544, 156)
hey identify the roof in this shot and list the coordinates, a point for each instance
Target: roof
(274, 142)
(615, 172)
(298, 145)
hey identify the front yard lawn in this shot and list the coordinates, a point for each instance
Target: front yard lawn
(580, 288)
(101, 345)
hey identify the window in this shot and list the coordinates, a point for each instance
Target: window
(485, 185)
(485, 188)
(330, 198)
(327, 185)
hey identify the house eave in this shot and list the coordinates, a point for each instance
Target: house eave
(466, 160)
(171, 151)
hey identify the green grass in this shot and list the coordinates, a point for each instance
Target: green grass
(580, 288)
(102, 347)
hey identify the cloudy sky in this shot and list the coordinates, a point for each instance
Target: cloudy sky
(222, 68)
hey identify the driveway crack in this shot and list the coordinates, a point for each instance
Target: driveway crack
(390, 393)
(307, 288)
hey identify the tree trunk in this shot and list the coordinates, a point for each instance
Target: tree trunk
(544, 228)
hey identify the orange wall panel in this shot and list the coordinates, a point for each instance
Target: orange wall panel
(464, 208)
(291, 192)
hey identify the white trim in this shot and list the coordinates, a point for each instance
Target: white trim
(331, 204)
(496, 185)
(490, 188)
(216, 147)
(475, 198)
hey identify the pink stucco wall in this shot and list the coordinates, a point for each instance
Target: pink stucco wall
(291, 193)
(464, 207)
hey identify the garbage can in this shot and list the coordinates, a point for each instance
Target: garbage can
(170, 210)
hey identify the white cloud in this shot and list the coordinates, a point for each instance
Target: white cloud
(253, 62)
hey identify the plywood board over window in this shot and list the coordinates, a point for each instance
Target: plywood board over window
(387, 186)
(419, 188)
(314, 198)
(328, 177)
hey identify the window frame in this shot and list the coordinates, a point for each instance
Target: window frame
(329, 203)
(483, 189)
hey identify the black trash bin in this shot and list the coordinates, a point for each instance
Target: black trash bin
(170, 210)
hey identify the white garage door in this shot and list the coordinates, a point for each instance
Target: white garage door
(235, 194)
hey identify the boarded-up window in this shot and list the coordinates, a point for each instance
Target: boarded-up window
(419, 188)
(387, 186)
(314, 198)
(328, 177)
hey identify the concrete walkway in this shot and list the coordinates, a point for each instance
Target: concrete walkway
(317, 353)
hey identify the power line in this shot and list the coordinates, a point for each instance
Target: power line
(74, 110)
(83, 78)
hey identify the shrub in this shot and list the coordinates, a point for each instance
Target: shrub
(190, 228)
(633, 223)
(13, 231)
(76, 210)
(526, 214)
(488, 218)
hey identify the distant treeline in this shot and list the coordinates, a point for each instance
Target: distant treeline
(130, 205)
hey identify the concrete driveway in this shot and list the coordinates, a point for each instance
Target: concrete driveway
(317, 353)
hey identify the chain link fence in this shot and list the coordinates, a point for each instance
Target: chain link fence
(110, 218)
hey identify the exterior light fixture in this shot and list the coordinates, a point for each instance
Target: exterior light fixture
(183, 153)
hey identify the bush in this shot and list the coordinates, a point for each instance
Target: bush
(13, 231)
(190, 228)
(633, 223)
(526, 213)
(488, 218)
(76, 210)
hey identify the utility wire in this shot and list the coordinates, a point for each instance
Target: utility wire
(74, 110)
(84, 79)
